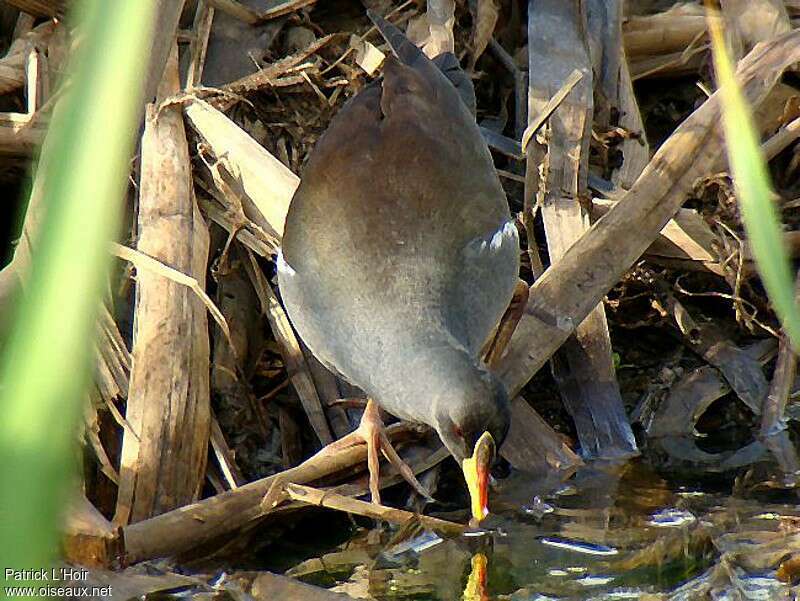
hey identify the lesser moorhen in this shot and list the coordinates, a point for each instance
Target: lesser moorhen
(400, 256)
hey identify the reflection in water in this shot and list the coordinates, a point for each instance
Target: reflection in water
(615, 532)
(578, 546)
(476, 583)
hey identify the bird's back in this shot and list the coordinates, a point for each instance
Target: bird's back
(398, 240)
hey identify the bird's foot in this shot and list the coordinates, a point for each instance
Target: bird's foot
(372, 431)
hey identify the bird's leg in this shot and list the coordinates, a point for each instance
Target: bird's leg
(494, 349)
(372, 431)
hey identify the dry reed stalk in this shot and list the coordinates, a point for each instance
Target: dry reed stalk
(168, 15)
(145, 262)
(571, 288)
(20, 136)
(168, 401)
(675, 64)
(532, 444)
(328, 389)
(284, 8)
(37, 84)
(225, 458)
(635, 149)
(203, 18)
(613, 89)
(264, 184)
(663, 33)
(89, 539)
(23, 25)
(91, 434)
(202, 522)
(782, 139)
(13, 64)
(332, 500)
(558, 46)
(236, 10)
(686, 237)
(41, 8)
(112, 376)
(224, 207)
(751, 21)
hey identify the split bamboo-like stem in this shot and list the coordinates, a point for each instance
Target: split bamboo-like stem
(168, 401)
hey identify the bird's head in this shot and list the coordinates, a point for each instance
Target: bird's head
(472, 424)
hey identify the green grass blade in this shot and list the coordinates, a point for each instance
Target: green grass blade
(44, 370)
(753, 189)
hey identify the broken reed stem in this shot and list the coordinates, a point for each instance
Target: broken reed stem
(549, 108)
(781, 140)
(203, 18)
(143, 261)
(569, 290)
(236, 10)
(333, 500)
(188, 527)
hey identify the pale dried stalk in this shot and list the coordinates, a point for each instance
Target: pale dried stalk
(663, 33)
(284, 9)
(180, 530)
(548, 109)
(236, 10)
(40, 8)
(203, 18)
(585, 369)
(225, 458)
(89, 539)
(168, 399)
(568, 291)
(687, 236)
(753, 21)
(265, 184)
(147, 263)
(332, 500)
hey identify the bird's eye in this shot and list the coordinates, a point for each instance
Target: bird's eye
(457, 431)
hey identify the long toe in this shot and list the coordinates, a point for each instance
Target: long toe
(402, 467)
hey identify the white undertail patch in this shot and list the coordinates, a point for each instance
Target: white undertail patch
(283, 267)
(480, 245)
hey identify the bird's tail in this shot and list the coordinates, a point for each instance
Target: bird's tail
(405, 49)
(409, 54)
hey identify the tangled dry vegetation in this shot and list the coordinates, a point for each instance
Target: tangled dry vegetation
(193, 420)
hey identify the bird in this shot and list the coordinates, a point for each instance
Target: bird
(399, 258)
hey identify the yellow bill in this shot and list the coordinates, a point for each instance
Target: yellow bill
(476, 584)
(476, 473)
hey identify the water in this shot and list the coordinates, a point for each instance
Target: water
(604, 534)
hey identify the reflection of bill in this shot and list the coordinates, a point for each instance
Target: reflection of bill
(476, 583)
